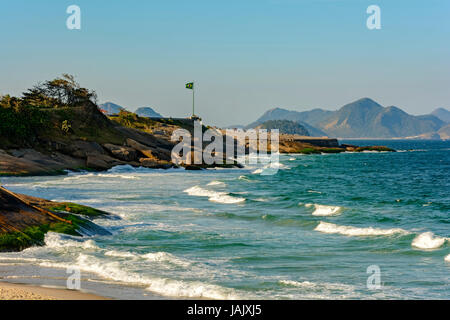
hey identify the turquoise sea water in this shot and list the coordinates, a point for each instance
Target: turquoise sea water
(308, 232)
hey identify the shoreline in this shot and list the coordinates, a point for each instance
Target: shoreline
(18, 291)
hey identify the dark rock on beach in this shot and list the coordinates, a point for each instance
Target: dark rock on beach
(25, 220)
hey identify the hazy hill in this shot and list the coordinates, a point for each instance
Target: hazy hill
(363, 118)
(110, 108)
(285, 126)
(147, 112)
(366, 118)
(444, 132)
(442, 114)
(312, 116)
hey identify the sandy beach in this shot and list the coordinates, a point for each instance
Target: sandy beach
(10, 291)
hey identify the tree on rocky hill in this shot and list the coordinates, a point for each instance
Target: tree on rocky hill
(59, 92)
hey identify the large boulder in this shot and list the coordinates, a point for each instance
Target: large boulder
(81, 149)
(154, 163)
(147, 151)
(11, 165)
(122, 152)
(101, 162)
(151, 152)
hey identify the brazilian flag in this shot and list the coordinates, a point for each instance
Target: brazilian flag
(190, 85)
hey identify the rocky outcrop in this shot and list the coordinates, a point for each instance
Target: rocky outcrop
(16, 214)
(155, 163)
(84, 155)
(152, 152)
(31, 162)
(82, 149)
(24, 220)
(101, 162)
(122, 152)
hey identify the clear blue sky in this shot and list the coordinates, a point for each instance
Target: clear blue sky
(246, 56)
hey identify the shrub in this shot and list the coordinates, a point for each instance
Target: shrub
(66, 127)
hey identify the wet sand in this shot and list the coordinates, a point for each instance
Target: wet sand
(10, 291)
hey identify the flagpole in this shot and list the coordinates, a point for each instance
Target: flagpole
(193, 89)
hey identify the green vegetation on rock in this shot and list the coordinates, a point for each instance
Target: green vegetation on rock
(309, 151)
(35, 235)
(78, 209)
(285, 126)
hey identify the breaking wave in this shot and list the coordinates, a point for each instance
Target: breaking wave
(302, 284)
(216, 183)
(323, 210)
(427, 240)
(162, 286)
(331, 228)
(214, 196)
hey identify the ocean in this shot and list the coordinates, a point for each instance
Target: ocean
(315, 230)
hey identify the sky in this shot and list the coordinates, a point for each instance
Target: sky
(245, 56)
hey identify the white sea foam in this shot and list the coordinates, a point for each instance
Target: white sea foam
(121, 270)
(302, 284)
(99, 176)
(447, 258)
(216, 183)
(321, 290)
(214, 196)
(164, 286)
(77, 177)
(121, 176)
(56, 241)
(120, 254)
(271, 168)
(18, 259)
(326, 227)
(226, 199)
(200, 192)
(427, 240)
(323, 210)
(178, 288)
(166, 257)
(152, 256)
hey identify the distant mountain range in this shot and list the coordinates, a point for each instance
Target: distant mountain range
(110, 108)
(363, 118)
(442, 114)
